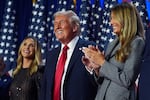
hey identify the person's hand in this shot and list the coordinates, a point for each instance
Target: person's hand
(85, 58)
(89, 65)
(94, 55)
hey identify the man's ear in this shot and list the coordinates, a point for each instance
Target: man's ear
(75, 28)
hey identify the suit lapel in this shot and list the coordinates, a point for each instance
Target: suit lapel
(76, 55)
(53, 61)
(111, 48)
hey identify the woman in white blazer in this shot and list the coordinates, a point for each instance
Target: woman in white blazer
(117, 69)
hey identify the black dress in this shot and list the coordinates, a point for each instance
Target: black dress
(24, 86)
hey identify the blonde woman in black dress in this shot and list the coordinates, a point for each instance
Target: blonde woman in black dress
(25, 84)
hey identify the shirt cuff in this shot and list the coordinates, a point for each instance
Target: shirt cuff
(90, 70)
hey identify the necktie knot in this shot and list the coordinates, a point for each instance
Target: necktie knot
(65, 48)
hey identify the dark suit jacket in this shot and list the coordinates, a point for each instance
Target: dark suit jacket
(5, 81)
(78, 84)
(144, 80)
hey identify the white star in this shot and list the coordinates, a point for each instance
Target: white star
(39, 36)
(10, 30)
(8, 10)
(11, 59)
(7, 17)
(111, 39)
(64, 2)
(36, 27)
(5, 30)
(97, 16)
(51, 28)
(48, 19)
(44, 44)
(84, 22)
(104, 38)
(10, 3)
(15, 39)
(34, 34)
(9, 37)
(2, 44)
(42, 7)
(38, 21)
(3, 37)
(106, 5)
(13, 17)
(14, 46)
(42, 29)
(99, 33)
(94, 22)
(31, 27)
(82, 29)
(33, 19)
(42, 51)
(136, 4)
(5, 58)
(6, 51)
(72, 6)
(1, 51)
(59, 2)
(111, 6)
(36, 6)
(34, 12)
(12, 24)
(40, 13)
(52, 6)
(108, 31)
(12, 52)
(7, 44)
(141, 13)
(6, 23)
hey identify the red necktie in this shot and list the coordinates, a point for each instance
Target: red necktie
(59, 73)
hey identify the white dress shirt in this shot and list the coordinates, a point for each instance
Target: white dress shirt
(71, 46)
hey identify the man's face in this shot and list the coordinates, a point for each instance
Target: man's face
(64, 30)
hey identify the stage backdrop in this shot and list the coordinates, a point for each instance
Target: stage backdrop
(21, 18)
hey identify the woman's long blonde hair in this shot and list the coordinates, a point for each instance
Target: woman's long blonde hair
(132, 26)
(36, 60)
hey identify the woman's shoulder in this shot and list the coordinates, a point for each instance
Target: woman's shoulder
(138, 39)
(138, 42)
(37, 75)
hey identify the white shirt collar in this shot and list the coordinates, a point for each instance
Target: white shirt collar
(72, 43)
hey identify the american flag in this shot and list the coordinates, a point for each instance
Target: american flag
(84, 14)
(52, 8)
(95, 24)
(107, 33)
(141, 6)
(38, 25)
(8, 39)
(65, 5)
(96, 19)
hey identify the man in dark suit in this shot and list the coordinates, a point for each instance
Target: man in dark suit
(144, 80)
(76, 82)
